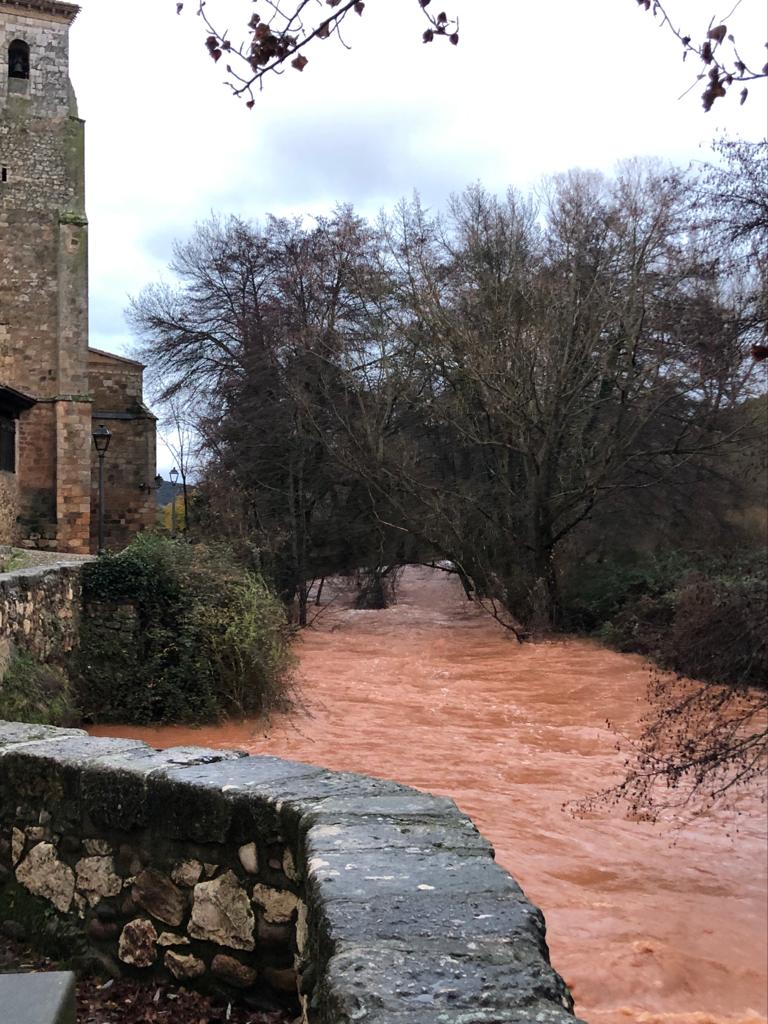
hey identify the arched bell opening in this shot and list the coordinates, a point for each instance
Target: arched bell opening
(18, 59)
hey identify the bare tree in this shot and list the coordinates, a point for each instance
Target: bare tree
(249, 341)
(182, 441)
(563, 366)
(474, 386)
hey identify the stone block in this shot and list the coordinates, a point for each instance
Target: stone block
(233, 972)
(203, 802)
(13, 733)
(47, 998)
(370, 873)
(539, 1013)
(115, 785)
(46, 774)
(278, 906)
(43, 874)
(399, 803)
(427, 917)
(397, 980)
(159, 897)
(138, 943)
(457, 834)
(96, 878)
(184, 968)
(221, 913)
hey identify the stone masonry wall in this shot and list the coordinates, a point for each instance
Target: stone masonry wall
(44, 272)
(116, 385)
(36, 475)
(9, 507)
(349, 898)
(40, 610)
(46, 31)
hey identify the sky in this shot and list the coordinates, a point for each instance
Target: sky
(531, 90)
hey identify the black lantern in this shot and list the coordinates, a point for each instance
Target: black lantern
(101, 438)
(174, 475)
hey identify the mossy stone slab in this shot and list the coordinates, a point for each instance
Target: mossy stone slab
(114, 786)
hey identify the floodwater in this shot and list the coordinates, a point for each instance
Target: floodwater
(647, 924)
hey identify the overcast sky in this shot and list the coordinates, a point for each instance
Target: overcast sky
(533, 88)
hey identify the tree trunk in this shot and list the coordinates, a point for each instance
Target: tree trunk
(544, 597)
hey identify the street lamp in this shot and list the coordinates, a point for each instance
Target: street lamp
(101, 438)
(174, 475)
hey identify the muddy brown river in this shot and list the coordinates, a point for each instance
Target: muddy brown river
(646, 923)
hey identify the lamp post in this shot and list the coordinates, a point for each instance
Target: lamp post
(101, 438)
(174, 475)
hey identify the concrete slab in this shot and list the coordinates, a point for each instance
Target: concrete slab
(45, 998)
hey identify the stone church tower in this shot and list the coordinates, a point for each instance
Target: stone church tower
(45, 392)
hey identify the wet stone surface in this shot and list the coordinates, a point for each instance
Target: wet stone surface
(428, 918)
(366, 874)
(492, 977)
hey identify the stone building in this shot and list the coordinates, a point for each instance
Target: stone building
(52, 387)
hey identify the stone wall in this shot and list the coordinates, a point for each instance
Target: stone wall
(116, 385)
(350, 898)
(44, 301)
(44, 274)
(9, 507)
(40, 610)
(36, 473)
(44, 26)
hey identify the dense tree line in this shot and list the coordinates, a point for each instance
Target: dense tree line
(477, 386)
(530, 388)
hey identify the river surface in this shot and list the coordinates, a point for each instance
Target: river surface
(646, 923)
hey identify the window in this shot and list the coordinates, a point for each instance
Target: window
(7, 444)
(18, 59)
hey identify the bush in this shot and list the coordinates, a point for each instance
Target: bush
(34, 692)
(179, 633)
(704, 618)
(595, 594)
(719, 631)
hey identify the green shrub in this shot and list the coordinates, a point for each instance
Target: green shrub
(179, 633)
(719, 631)
(595, 594)
(34, 692)
(701, 617)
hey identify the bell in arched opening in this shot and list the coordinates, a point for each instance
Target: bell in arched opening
(18, 59)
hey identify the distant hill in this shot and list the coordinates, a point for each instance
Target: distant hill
(165, 492)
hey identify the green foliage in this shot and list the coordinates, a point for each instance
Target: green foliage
(718, 632)
(179, 633)
(594, 594)
(34, 692)
(702, 617)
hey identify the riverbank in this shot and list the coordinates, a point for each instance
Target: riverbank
(647, 923)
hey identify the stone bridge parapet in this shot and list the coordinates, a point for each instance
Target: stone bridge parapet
(350, 898)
